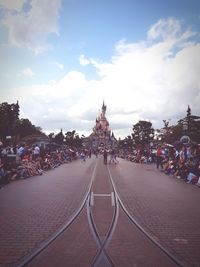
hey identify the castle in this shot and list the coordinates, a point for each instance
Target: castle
(102, 136)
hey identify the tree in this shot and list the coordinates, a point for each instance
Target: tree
(11, 125)
(72, 139)
(51, 137)
(24, 127)
(59, 138)
(143, 133)
(9, 114)
(78, 141)
(193, 127)
(171, 134)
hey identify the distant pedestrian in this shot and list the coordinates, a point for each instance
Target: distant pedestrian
(105, 156)
(20, 150)
(36, 152)
(183, 154)
(90, 153)
(96, 153)
(83, 156)
(159, 157)
(113, 157)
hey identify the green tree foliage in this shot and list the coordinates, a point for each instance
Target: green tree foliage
(126, 143)
(69, 137)
(11, 125)
(194, 132)
(24, 127)
(51, 137)
(170, 134)
(193, 127)
(9, 114)
(188, 126)
(143, 133)
(72, 139)
(59, 138)
(78, 140)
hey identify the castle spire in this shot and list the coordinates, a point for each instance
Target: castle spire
(188, 111)
(103, 108)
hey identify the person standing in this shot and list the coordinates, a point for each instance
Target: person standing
(159, 157)
(96, 153)
(105, 156)
(36, 152)
(83, 156)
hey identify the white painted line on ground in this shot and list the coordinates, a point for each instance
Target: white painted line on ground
(112, 199)
(102, 195)
(92, 199)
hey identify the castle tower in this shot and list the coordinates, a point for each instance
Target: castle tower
(101, 135)
(103, 109)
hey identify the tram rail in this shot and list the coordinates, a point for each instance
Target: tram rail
(48, 242)
(142, 230)
(102, 243)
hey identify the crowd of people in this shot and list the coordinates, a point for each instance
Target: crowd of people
(182, 163)
(110, 156)
(21, 162)
(138, 155)
(24, 161)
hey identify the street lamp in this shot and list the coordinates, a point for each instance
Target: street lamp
(8, 139)
(151, 140)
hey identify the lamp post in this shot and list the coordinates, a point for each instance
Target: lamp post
(8, 140)
(125, 144)
(150, 141)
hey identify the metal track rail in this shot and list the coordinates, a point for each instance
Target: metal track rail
(141, 229)
(45, 244)
(102, 254)
(102, 244)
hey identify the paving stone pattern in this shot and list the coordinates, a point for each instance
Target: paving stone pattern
(129, 247)
(168, 208)
(34, 209)
(75, 247)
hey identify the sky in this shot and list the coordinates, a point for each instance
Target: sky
(61, 59)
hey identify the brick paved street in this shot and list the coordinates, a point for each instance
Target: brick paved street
(33, 209)
(102, 209)
(167, 207)
(130, 248)
(75, 247)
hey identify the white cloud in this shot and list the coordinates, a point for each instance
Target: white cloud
(169, 32)
(59, 65)
(165, 29)
(30, 28)
(83, 60)
(150, 80)
(27, 72)
(12, 4)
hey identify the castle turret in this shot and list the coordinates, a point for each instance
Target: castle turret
(101, 135)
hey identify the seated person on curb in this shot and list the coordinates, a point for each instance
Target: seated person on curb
(3, 178)
(181, 170)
